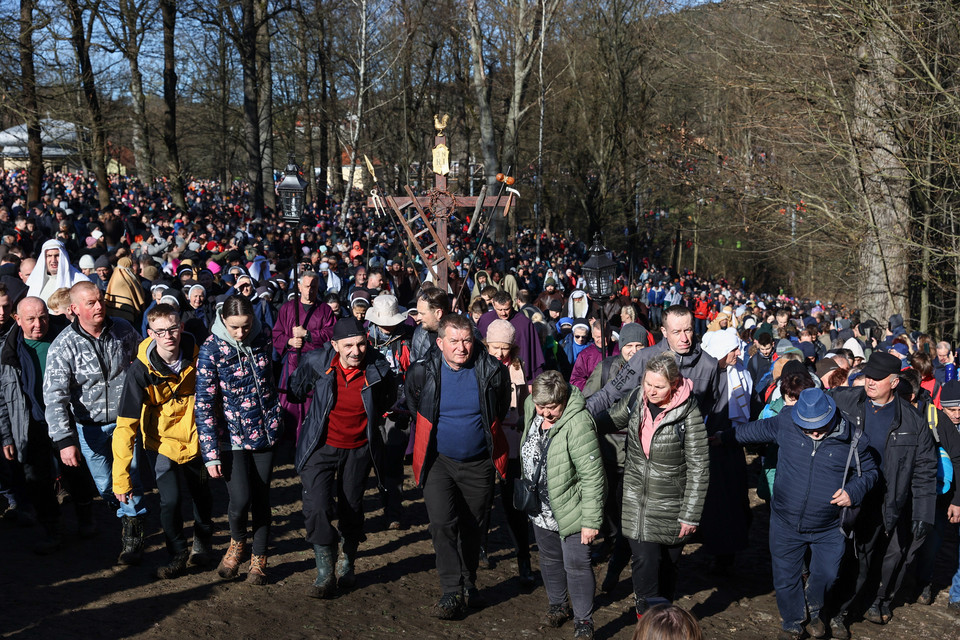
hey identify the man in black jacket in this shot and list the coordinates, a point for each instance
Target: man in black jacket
(459, 395)
(23, 427)
(341, 439)
(889, 530)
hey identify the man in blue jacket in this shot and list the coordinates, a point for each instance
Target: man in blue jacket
(813, 484)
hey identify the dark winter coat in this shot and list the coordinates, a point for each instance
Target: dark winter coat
(422, 387)
(317, 373)
(668, 487)
(809, 472)
(909, 460)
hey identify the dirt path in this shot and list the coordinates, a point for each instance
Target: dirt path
(80, 593)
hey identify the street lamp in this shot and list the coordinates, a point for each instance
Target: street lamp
(600, 272)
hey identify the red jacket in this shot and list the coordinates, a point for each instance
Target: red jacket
(701, 309)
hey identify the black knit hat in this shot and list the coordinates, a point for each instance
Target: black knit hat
(950, 394)
(348, 328)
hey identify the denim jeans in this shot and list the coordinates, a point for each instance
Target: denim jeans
(96, 445)
(955, 587)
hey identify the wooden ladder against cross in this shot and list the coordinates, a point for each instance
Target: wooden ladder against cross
(441, 205)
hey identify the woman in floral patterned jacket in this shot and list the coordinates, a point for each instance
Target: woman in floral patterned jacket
(238, 422)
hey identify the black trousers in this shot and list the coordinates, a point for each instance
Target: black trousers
(518, 521)
(862, 566)
(248, 474)
(39, 474)
(654, 569)
(458, 497)
(333, 482)
(396, 439)
(172, 478)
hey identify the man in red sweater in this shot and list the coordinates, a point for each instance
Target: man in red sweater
(353, 387)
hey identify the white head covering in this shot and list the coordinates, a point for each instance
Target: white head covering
(260, 269)
(719, 343)
(67, 274)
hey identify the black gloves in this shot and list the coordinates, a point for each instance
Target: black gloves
(921, 529)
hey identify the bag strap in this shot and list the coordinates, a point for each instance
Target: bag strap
(543, 459)
(854, 441)
(933, 421)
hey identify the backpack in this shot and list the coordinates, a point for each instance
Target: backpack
(944, 464)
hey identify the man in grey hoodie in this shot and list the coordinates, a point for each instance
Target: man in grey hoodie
(86, 369)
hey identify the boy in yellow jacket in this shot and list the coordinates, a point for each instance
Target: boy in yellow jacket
(158, 402)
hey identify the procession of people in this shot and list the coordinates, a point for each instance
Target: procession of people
(204, 342)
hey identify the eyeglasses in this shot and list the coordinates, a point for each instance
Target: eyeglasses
(160, 333)
(583, 337)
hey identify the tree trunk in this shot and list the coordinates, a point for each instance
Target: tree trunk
(265, 104)
(247, 48)
(323, 57)
(481, 90)
(31, 109)
(92, 99)
(142, 151)
(307, 113)
(168, 9)
(881, 177)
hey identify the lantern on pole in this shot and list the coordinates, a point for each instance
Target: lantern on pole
(600, 272)
(292, 189)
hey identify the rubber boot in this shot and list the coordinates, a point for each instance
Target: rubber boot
(527, 579)
(325, 586)
(132, 552)
(201, 555)
(346, 577)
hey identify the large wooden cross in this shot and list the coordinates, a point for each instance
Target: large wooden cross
(426, 219)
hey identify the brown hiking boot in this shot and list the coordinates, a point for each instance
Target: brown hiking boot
(230, 565)
(257, 574)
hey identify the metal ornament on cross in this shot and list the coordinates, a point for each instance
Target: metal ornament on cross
(424, 218)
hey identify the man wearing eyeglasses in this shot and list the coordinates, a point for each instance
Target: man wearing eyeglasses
(157, 401)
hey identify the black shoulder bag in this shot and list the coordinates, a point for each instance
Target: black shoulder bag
(526, 492)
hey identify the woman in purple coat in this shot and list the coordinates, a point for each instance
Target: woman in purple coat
(291, 338)
(591, 356)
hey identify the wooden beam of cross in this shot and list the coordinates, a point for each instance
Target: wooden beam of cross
(424, 218)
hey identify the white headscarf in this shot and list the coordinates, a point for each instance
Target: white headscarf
(67, 274)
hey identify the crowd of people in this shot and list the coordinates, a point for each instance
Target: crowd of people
(145, 345)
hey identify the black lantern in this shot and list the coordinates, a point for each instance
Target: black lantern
(291, 190)
(599, 271)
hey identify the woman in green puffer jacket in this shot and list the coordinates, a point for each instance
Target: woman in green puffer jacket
(665, 476)
(572, 489)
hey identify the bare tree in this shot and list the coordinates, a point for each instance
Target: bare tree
(80, 39)
(126, 26)
(31, 109)
(168, 10)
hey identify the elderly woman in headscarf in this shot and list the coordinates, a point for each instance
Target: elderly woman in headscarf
(53, 271)
(125, 298)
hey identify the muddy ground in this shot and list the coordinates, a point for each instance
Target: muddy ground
(80, 593)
